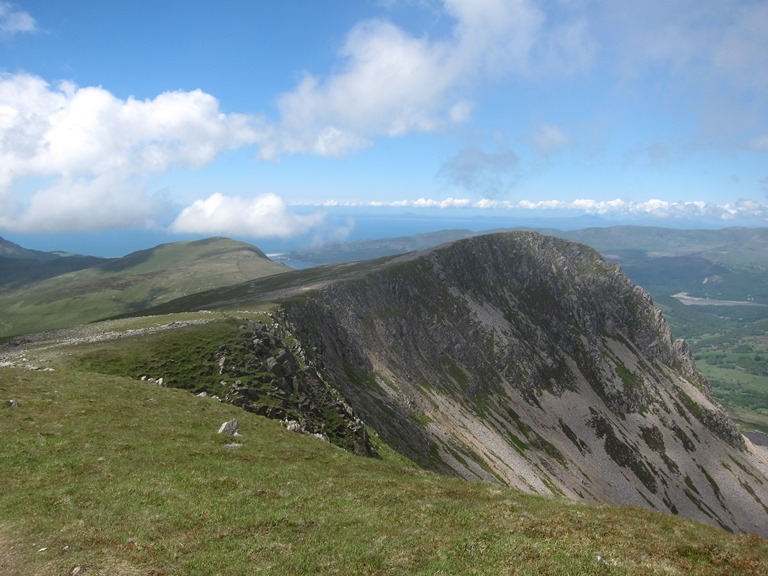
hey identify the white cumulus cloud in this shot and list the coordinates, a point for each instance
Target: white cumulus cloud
(256, 217)
(92, 149)
(101, 202)
(391, 82)
(740, 210)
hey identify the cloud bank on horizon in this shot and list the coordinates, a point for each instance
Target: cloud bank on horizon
(657, 108)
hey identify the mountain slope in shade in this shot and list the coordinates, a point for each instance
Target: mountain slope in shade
(136, 281)
(531, 361)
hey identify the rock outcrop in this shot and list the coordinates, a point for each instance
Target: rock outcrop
(267, 372)
(530, 361)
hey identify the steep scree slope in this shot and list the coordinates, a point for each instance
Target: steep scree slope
(531, 361)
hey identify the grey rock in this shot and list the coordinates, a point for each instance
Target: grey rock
(545, 355)
(230, 428)
(293, 426)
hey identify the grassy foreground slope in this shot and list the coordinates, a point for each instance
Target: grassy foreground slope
(131, 283)
(120, 476)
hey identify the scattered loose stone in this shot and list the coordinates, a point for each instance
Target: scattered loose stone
(13, 404)
(230, 428)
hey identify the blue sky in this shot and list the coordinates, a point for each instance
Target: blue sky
(268, 120)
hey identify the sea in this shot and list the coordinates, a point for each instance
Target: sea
(339, 225)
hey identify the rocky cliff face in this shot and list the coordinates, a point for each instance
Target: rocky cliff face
(530, 361)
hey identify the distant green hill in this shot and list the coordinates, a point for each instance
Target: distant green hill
(9, 249)
(20, 266)
(337, 252)
(727, 264)
(38, 300)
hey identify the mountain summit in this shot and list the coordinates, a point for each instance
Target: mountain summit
(512, 358)
(531, 361)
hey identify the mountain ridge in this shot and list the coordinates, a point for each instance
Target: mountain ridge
(564, 368)
(103, 288)
(516, 358)
(526, 360)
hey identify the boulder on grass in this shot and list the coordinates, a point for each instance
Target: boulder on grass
(230, 428)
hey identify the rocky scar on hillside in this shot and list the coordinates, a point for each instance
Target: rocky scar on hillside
(271, 377)
(531, 361)
(260, 367)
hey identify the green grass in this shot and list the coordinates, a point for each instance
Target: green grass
(125, 477)
(730, 345)
(744, 395)
(130, 284)
(735, 361)
(184, 357)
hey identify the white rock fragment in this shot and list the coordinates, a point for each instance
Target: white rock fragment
(292, 426)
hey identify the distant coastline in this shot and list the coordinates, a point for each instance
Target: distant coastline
(684, 298)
